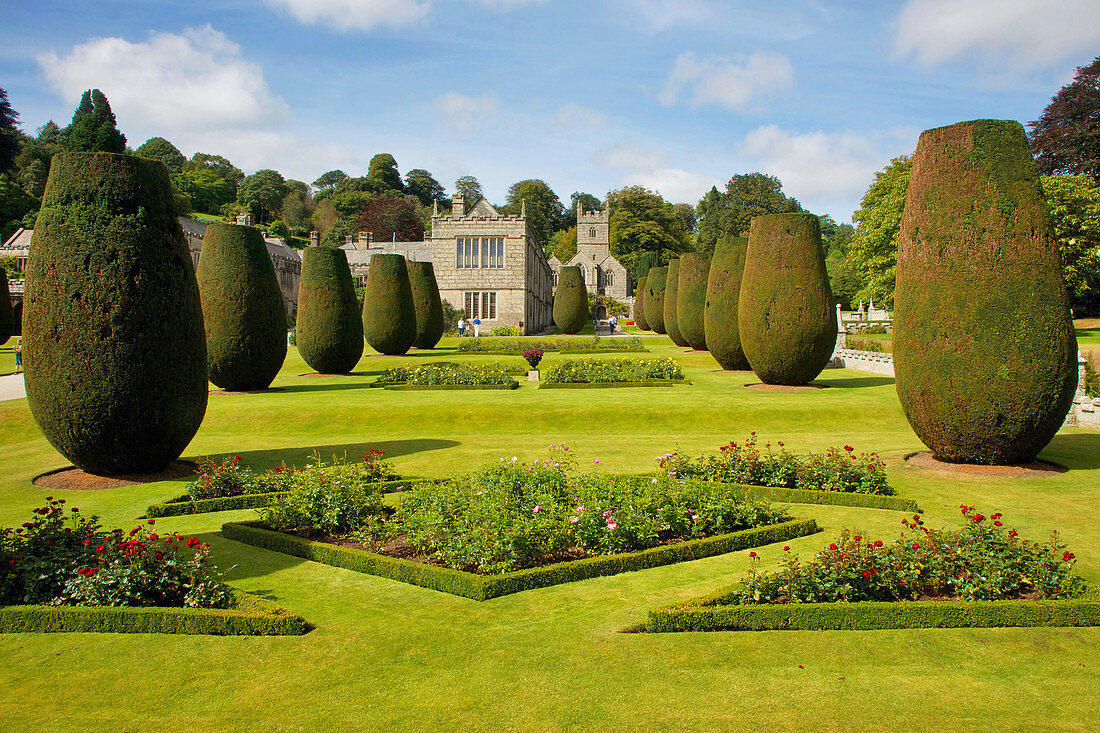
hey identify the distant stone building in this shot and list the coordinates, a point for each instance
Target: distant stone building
(602, 273)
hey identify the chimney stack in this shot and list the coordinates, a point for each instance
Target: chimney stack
(458, 204)
(315, 239)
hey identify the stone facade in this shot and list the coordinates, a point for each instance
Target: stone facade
(360, 250)
(602, 273)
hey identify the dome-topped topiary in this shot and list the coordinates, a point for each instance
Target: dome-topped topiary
(115, 354)
(639, 305)
(985, 355)
(7, 313)
(329, 332)
(389, 317)
(691, 298)
(427, 304)
(570, 301)
(786, 316)
(723, 293)
(655, 298)
(242, 308)
(672, 289)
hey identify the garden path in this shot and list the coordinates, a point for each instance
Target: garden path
(11, 387)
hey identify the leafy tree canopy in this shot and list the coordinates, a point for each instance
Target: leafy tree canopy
(383, 175)
(563, 244)
(1074, 203)
(545, 212)
(94, 127)
(390, 217)
(727, 214)
(873, 251)
(470, 188)
(262, 193)
(160, 149)
(587, 201)
(9, 133)
(330, 179)
(1066, 137)
(422, 184)
(645, 230)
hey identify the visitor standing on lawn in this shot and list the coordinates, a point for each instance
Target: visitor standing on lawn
(461, 328)
(18, 355)
(477, 327)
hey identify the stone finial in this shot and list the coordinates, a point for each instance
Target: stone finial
(523, 207)
(348, 239)
(435, 207)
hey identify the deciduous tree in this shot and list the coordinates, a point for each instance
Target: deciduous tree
(727, 214)
(1066, 137)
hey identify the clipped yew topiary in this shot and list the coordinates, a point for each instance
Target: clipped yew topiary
(242, 308)
(639, 305)
(723, 293)
(691, 298)
(985, 355)
(672, 289)
(427, 304)
(570, 301)
(389, 316)
(786, 315)
(115, 354)
(7, 313)
(655, 298)
(329, 330)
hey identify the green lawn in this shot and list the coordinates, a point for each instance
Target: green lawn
(390, 656)
(7, 356)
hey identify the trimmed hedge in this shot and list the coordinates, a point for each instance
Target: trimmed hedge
(829, 498)
(691, 298)
(570, 300)
(984, 347)
(639, 304)
(241, 501)
(505, 346)
(426, 303)
(484, 587)
(418, 387)
(672, 292)
(252, 616)
(607, 385)
(723, 293)
(655, 298)
(389, 317)
(329, 333)
(711, 614)
(112, 326)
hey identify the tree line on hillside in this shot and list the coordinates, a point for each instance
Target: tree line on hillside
(646, 230)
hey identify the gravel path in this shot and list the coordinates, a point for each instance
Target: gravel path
(11, 387)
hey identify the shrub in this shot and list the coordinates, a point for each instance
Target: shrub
(857, 344)
(533, 357)
(655, 298)
(389, 317)
(982, 561)
(516, 346)
(117, 377)
(324, 498)
(7, 313)
(672, 292)
(329, 331)
(745, 463)
(723, 293)
(449, 373)
(426, 303)
(786, 315)
(570, 301)
(510, 331)
(639, 304)
(691, 298)
(976, 242)
(1092, 379)
(612, 370)
(242, 308)
(228, 478)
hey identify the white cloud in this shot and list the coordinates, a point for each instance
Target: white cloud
(465, 113)
(824, 169)
(360, 15)
(195, 79)
(674, 184)
(507, 4)
(1017, 33)
(662, 14)
(726, 82)
(573, 117)
(629, 156)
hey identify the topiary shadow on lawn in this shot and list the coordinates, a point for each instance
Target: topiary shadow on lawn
(297, 455)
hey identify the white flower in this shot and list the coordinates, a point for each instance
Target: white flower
(653, 481)
(515, 458)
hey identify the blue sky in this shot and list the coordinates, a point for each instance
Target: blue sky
(676, 95)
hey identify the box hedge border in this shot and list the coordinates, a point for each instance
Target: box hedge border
(709, 613)
(252, 616)
(484, 587)
(611, 385)
(419, 387)
(183, 505)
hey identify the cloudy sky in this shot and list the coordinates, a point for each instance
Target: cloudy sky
(677, 95)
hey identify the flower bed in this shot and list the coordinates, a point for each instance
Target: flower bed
(449, 374)
(228, 478)
(596, 371)
(745, 463)
(564, 345)
(183, 505)
(613, 385)
(982, 574)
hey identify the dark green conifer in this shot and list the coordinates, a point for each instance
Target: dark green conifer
(655, 298)
(691, 298)
(427, 303)
(389, 316)
(329, 332)
(639, 304)
(723, 293)
(570, 301)
(672, 290)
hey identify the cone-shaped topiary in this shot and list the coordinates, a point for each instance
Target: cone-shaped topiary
(672, 289)
(639, 305)
(984, 349)
(570, 301)
(655, 298)
(242, 308)
(786, 315)
(113, 339)
(723, 293)
(7, 313)
(329, 331)
(427, 303)
(691, 298)
(389, 317)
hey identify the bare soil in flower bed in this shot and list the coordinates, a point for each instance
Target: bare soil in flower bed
(76, 479)
(785, 387)
(216, 392)
(924, 459)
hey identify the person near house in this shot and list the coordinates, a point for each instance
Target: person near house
(612, 322)
(18, 355)
(477, 327)
(461, 328)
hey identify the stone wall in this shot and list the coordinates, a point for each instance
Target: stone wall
(864, 361)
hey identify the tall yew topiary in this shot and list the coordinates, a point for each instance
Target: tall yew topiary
(786, 315)
(639, 305)
(727, 265)
(389, 317)
(570, 301)
(329, 331)
(242, 308)
(984, 348)
(672, 289)
(427, 304)
(655, 298)
(7, 313)
(114, 349)
(691, 298)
